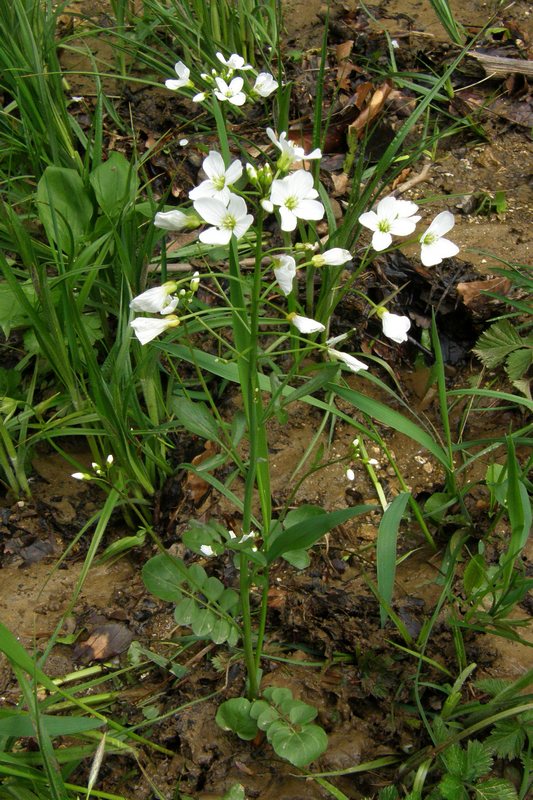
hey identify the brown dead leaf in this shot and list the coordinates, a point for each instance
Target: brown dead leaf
(106, 641)
(343, 50)
(471, 291)
(340, 184)
(370, 112)
(196, 486)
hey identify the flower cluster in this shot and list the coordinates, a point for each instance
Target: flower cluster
(394, 217)
(162, 300)
(223, 83)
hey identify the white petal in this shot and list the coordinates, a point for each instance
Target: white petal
(285, 272)
(238, 99)
(370, 220)
(395, 327)
(215, 236)
(387, 207)
(171, 220)
(212, 210)
(442, 223)
(301, 183)
(242, 225)
(233, 172)
(147, 329)
(237, 206)
(288, 219)
(305, 324)
(152, 300)
(278, 192)
(381, 240)
(402, 226)
(309, 209)
(336, 256)
(174, 85)
(351, 361)
(213, 165)
(434, 253)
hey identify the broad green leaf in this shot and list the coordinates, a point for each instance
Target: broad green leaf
(203, 622)
(507, 738)
(12, 312)
(437, 504)
(298, 747)
(297, 558)
(221, 631)
(474, 574)
(495, 789)
(478, 760)
(114, 183)
(163, 575)
(301, 713)
(496, 343)
(213, 588)
(195, 418)
(234, 715)
(197, 576)
(306, 533)
(279, 695)
(386, 551)
(64, 207)
(451, 788)
(264, 714)
(229, 600)
(185, 611)
(519, 362)
(20, 724)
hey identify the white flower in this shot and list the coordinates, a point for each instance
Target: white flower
(231, 92)
(434, 247)
(200, 97)
(207, 550)
(219, 178)
(233, 62)
(332, 258)
(305, 324)
(147, 329)
(351, 362)
(290, 152)
(81, 476)
(109, 460)
(392, 217)
(184, 79)
(195, 282)
(295, 196)
(350, 474)
(267, 206)
(265, 84)
(227, 221)
(285, 270)
(176, 220)
(156, 300)
(183, 142)
(395, 327)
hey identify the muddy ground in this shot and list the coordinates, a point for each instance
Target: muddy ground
(327, 613)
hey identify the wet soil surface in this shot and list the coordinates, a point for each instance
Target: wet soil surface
(325, 620)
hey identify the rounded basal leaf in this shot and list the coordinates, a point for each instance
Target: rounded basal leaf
(233, 638)
(234, 715)
(278, 695)
(185, 611)
(162, 575)
(229, 600)
(197, 576)
(301, 713)
(221, 631)
(264, 714)
(299, 747)
(213, 589)
(203, 622)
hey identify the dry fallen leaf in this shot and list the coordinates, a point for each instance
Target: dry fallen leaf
(471, 290)
(106, 641)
